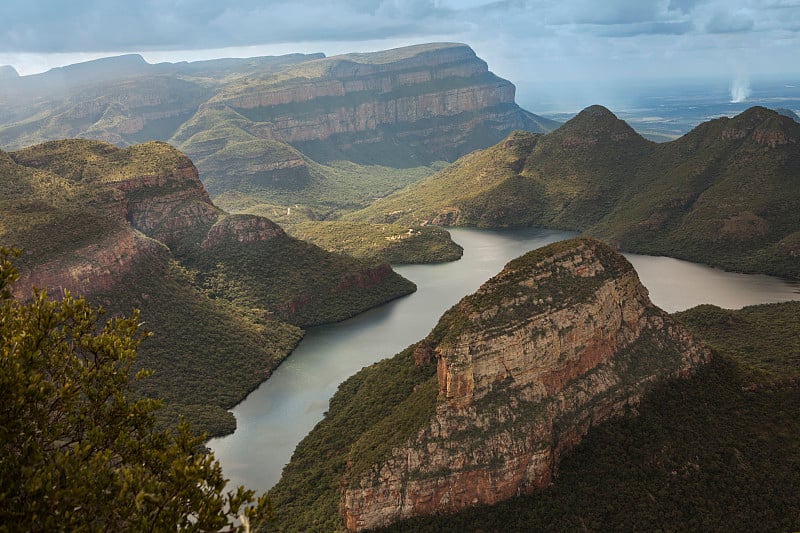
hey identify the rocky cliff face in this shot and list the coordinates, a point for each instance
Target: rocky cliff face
(562, 339)
(434, 97)
(169, 205)
(110, 210)
(93, 268)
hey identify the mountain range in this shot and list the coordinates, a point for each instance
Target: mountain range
(497, 402)
(724, 194)
(298, 129)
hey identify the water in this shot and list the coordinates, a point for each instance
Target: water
(275, 417)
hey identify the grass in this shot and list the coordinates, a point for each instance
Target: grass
(712, 452)
(722, 194)
(391, 243)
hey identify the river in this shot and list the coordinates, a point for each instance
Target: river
(276, 416)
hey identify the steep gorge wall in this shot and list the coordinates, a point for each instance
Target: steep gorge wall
(559, 341)
(422, 94)
(97, 267)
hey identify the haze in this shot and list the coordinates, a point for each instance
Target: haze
(526, 41)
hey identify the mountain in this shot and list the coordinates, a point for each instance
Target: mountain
(717, 451)
(7, 72)
(485, 407)
(134, 227)
(724, 194)
(123, 99)
(787, 113)
(297, 129)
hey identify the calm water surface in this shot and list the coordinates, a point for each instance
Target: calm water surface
(275, 417)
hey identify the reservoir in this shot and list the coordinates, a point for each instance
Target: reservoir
(276, 416)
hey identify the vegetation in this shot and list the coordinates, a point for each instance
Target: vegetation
(764, 340)
(719, 451)
(390, 243)
(372, 400)
(205, 355)
(215, 312)
(716, 451)
(77, 453)
(292, 280)
(724, 194)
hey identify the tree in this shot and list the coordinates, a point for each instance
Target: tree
(76, 452)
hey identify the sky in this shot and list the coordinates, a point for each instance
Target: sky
(526, 41)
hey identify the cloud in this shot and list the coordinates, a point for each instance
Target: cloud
(646, 28)
(554, 37)
(684, 6)
(725, 22)
(611, 11)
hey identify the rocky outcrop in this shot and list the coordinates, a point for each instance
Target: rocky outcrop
(167, 206)
(562, 339)
(763, 126)
(94, 268)
(434, 97)
(241, 228)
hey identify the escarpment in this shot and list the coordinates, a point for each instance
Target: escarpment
(562, 339)
(89, 214)
(435, 98)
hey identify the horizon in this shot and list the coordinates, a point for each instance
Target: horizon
(550, 97)
(528, 42)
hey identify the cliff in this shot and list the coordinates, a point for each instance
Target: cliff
(510, 379)
(560, 340)
(714, 452)
(134, 228)
(267, 127)
(432, 98)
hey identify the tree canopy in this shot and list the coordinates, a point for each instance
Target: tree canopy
(77, 452)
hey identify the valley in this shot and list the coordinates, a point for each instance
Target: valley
(356, 211)
(275, 417)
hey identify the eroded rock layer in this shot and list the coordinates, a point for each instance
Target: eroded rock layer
(436, 98)
(562, 339)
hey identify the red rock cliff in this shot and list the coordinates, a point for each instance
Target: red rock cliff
(562, 339)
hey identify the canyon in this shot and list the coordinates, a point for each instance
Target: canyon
(485, 407)
(267, 128)
(224, 295)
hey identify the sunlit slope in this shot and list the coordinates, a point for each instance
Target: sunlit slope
(726, 193)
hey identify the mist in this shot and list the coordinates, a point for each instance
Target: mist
(740, 90)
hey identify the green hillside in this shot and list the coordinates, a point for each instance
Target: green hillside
(725, 194)
(206, 355)
(391, 243)
(717, 451)
(134, 228)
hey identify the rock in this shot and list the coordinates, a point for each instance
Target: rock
(562, 339)
(433, 97)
